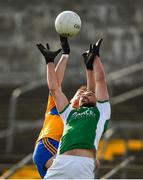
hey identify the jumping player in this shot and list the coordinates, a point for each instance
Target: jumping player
(84, 126)
(52, 129)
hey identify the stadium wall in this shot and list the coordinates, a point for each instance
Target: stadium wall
(25, 23)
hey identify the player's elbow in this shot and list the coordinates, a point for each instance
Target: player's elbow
(52, 85)
(53, 89)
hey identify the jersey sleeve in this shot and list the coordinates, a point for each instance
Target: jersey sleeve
(106, 125)
(51, 107)
(51, 103)
(105, 115)
(65, 113)
(104, 109)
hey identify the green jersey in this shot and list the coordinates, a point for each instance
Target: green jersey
(83, 126)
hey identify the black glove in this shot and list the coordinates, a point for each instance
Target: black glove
(65, 45)
(89, 55)
(49, 55)
(88, 58)
(96, 47)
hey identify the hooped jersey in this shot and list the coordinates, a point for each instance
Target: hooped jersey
(53, 124)
(84, 126)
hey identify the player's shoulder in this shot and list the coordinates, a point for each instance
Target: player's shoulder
(103, 104)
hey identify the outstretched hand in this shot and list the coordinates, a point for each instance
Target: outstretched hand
(88, 58)
(65, 45)
(89, 55)
(96, 47)
(48, 55)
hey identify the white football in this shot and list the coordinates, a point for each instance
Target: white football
(68, 23)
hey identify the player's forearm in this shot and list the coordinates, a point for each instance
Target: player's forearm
(60, 68)
(101, 89)
(99, 73)
(90, 80)
(51, 77)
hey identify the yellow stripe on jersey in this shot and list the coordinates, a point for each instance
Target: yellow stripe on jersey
(49, 146)
(43, 141)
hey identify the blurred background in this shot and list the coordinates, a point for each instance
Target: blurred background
(23, 89)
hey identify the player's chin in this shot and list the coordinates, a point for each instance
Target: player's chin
(88, 105)
(82, 102)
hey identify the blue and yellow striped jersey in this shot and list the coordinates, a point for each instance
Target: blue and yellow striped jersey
(53, 124)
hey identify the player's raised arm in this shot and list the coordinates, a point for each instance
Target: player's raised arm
(88, 61)
(61, 66)
(53, 84)
(101, 89)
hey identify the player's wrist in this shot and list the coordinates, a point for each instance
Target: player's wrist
(89, 68)
(49, 60)
(66, 52)
(66, 56)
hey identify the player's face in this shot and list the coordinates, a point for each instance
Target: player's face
(87, 97)
(75, 99)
